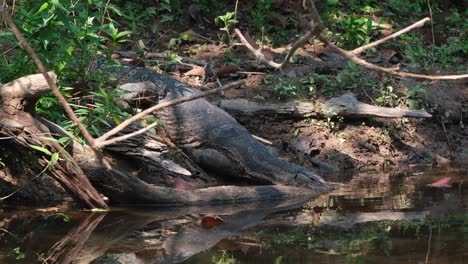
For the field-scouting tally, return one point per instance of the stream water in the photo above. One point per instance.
(412, 217)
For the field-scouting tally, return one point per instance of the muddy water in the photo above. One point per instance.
(408, 217)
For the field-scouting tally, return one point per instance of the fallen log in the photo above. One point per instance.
(247, 107)
(345, 105)
(123, 188)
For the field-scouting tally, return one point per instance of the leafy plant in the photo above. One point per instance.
(447, 55)
(354, 31)
(231, 58)
(17, 253)
(115, 36)
(228, 21)
(414, 96)
(98, 115)
(224, 258)
(285, 89)
(387, 97)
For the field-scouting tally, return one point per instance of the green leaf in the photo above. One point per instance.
(41, 149)
(43, 7)
(63, 140)
(58, 4)
(54, 159)
(296, 132)
(412, 103)
(49, 139)
(123, 33)
(111, 30)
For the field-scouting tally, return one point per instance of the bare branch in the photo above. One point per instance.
(316, 28)
(127, 136)
(24, 43)
(257, 52)
(261, 57)
(418, 24)
(352, 57)
(102, 140)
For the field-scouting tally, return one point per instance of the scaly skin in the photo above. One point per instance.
(222, 143)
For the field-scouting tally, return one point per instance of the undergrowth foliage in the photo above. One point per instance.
(68, 37)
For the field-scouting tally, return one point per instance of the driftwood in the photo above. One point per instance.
(348, 106)
(250, 108)
(345, 105)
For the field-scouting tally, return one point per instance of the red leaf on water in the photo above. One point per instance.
(442, 183)
(210, 221)
(182, 185)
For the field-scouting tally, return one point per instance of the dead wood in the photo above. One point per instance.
(348, 106)
(349, 220)
(20, 96)
(123, 188)
(345, 105)
(250, 108)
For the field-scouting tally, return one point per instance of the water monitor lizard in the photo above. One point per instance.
(213, 138)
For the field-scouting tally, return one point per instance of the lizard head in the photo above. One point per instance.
(308, 179)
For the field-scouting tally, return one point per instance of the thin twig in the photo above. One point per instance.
(257, 52)
(24, 43)
(264, 141)
(418, 24)
(127, 136)
(432, 22)
(429, 244)
(448, 139)
(127, 122)
(352, 57)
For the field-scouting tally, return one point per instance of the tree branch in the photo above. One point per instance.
(257, 52)
(316, 28)
(352, 57)
(418, 24)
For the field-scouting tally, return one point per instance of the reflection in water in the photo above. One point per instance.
(385, 218)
